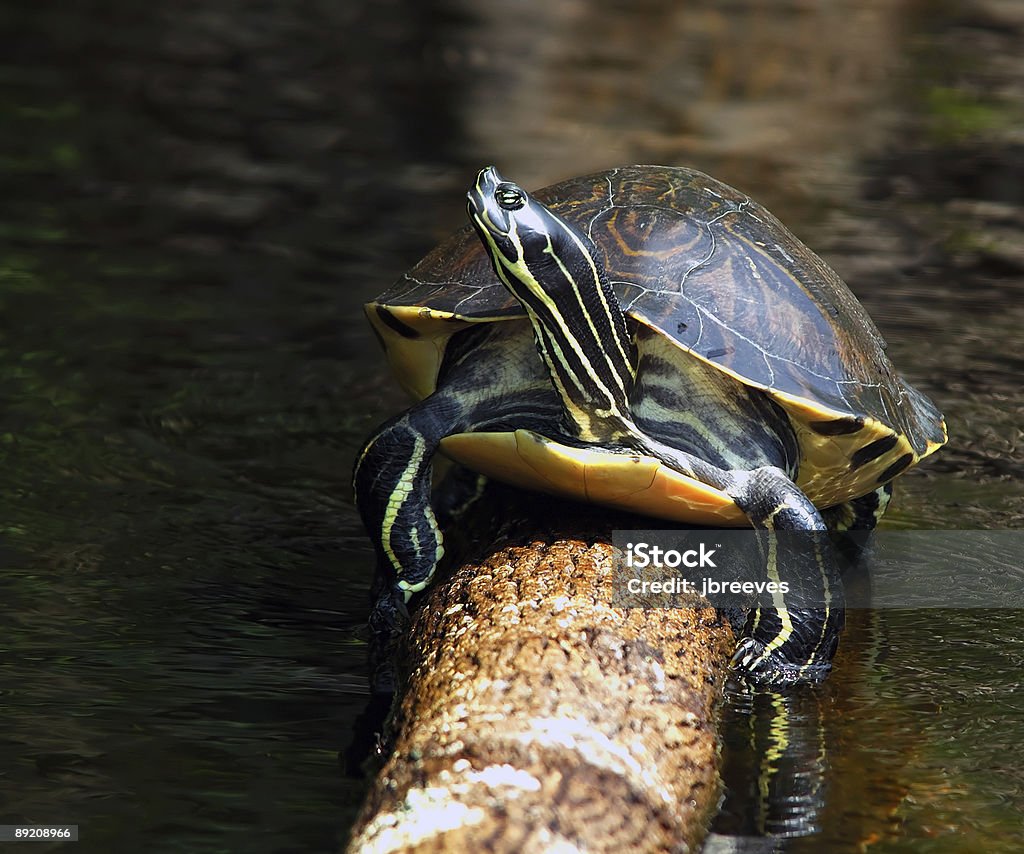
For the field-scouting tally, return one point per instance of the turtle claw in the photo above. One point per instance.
(771, 670)
(748, 656)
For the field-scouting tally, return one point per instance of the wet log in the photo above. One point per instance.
(536, 716)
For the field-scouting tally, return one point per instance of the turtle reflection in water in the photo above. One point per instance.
(649, 339)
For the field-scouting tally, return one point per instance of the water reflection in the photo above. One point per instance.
(197, 199)
(774, 766)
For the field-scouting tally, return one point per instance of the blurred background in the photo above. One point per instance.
(197, 199)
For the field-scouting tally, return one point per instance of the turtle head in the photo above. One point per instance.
(535, 252)
(556, 273)
(512, 225)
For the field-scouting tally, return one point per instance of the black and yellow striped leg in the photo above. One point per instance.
(392, 482)
(860, 514)
(789, 637)
(491, 379)
(852, 525)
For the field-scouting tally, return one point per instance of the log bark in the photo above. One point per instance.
(536, 716)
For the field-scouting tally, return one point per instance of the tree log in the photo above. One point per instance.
(537, 717)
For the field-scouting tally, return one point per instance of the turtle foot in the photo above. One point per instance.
(388, 621)
(773, 670)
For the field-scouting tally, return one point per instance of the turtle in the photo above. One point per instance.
(650, 339)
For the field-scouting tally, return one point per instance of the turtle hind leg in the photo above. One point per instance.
(853, 523)
(859, 514)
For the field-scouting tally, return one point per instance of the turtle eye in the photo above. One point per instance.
(509, 197)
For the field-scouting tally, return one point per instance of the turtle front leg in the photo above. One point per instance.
(491, 380)
(789, 638)
(392, 482)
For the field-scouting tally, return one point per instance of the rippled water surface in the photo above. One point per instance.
(198, 197)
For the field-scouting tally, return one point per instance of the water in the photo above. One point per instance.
(197, 199)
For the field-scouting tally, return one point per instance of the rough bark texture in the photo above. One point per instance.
(537, 717)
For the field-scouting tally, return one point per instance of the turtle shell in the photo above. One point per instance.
(717, 274)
